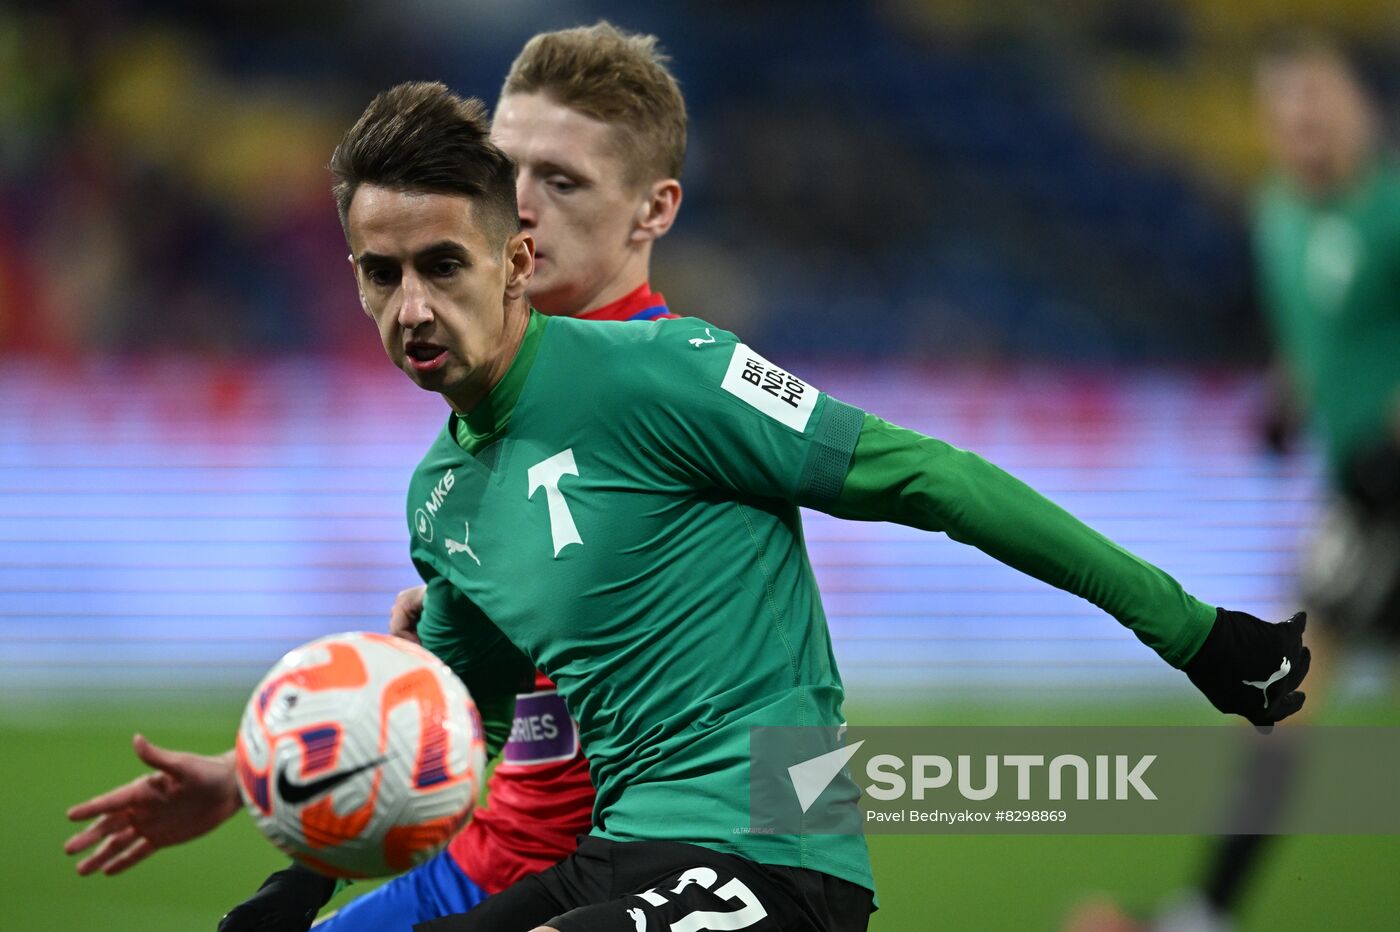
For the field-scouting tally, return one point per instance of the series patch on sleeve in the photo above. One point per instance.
(542, 732)
(777, 393)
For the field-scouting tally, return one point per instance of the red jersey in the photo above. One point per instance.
(639, 304)
(540, 798)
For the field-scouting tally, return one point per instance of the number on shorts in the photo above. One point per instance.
(750, 910)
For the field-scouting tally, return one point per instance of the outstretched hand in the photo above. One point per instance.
(1252, 668)
(183, 797)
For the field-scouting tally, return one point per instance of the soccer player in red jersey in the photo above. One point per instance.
(597, 184)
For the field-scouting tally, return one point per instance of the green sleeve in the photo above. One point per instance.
(719, 415)
(494, 669)
(902, 476)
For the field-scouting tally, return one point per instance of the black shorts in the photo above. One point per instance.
(663, 886)
(1351, 572)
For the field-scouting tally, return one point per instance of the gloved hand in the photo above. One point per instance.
(1252, 668)
(286, 902)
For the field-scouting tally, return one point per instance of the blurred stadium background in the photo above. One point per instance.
(1017, 226)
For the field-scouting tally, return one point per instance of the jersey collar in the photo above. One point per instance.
(488, 419)
(639, 304)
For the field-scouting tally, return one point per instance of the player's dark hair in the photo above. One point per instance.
(616, 77)
(420, 136)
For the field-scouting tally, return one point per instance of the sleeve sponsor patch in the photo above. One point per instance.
(542, 732)
(777, 393)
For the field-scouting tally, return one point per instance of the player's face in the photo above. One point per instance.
(1318, 121)
(445, 298)
(574, 201)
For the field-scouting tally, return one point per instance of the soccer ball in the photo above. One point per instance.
(360, 755)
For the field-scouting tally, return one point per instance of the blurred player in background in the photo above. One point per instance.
(1327, 247)
(1327, 233)
(596, 125)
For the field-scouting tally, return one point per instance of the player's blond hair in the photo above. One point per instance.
(616, 77)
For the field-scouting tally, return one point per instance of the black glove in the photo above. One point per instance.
(286, 902)
(1252, 668)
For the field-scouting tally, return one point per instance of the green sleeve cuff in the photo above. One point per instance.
(1192, 634)
(829, 460)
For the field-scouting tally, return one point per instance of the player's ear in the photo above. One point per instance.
(359, 289)
(520, 263)
(658, 211)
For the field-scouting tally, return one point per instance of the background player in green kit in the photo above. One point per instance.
(617, 504)
(1327, 242)
(1327, 249)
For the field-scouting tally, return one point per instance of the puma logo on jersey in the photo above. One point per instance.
(453, 547)
(1263, 685)
(697, 342)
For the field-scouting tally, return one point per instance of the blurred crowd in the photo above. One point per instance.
(931, 179)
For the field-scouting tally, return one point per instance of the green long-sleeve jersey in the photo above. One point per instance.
(1329, 273)
(622, 513)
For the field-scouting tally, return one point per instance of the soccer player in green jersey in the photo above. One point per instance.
(617, 505)
(1327, 240)
(1327, 248)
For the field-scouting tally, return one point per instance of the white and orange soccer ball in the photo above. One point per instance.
(360, 755)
